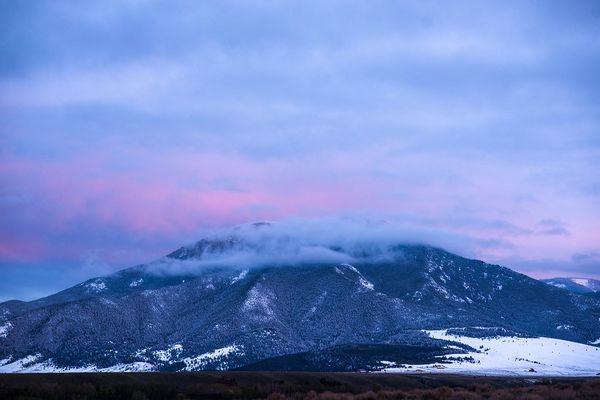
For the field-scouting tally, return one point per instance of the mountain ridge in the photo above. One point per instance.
(190, 311)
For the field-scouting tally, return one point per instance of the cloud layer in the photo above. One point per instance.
(305, 241)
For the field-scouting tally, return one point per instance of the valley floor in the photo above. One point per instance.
(289, 385)
(489, 356)
(517, 356)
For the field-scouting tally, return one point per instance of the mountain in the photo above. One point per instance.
(264, 300)
(577, 285)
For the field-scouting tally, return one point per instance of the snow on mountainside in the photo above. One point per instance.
(267, 300)
(577, 285)
(32, 364)
(512, 356)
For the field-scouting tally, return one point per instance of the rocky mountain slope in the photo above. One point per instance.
(215, 305)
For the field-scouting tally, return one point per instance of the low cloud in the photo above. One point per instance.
(552, 227)
(305, 241)
(586, 257)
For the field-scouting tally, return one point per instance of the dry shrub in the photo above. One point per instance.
(276, 396)
(335, 396)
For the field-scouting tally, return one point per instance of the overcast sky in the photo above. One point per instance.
(128, 127)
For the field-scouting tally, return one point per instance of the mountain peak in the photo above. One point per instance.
(231, 315)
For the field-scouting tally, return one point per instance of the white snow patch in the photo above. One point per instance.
(31, 364)
(258, 300)
(4, 329)
(440, 289)
(241, 276)
(136, 282)
(133, 367)
(564, 327)
(582, 282)
(96, 286)
(350, 267)
(597, 341)
(20, 365)
(168, 354)
(515, 356)
(217, 355)
(365, 283)
(557, 284)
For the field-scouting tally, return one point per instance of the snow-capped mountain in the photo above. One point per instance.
(268, 301)
(577, 285)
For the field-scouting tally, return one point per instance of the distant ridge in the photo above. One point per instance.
(576, 285)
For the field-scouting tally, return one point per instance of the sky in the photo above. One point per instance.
(127, 128)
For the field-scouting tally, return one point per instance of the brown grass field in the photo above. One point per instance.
(289, 385)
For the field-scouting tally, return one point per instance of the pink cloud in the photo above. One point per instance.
(158, 200)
